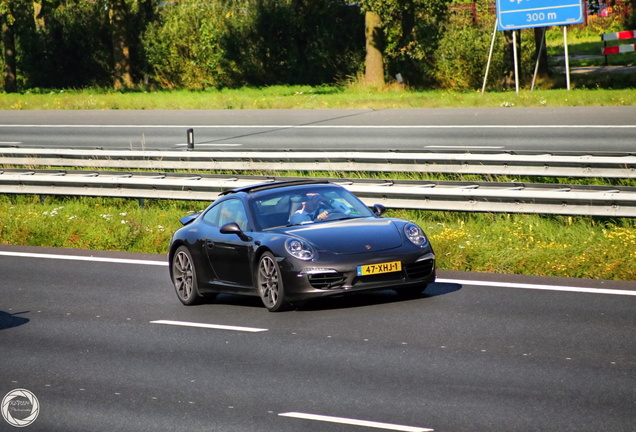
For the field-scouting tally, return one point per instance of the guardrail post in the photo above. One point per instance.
(190, 139)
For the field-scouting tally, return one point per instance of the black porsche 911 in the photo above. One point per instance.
(296, 240)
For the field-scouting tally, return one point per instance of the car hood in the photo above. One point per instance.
(351, 235)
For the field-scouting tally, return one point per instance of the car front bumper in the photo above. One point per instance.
(305, 280)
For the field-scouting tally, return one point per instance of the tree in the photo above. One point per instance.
(117, 11)
(18, 25)
(128, 19)
(8, 20)
(8, 41)
(374, 60)
(406, 33)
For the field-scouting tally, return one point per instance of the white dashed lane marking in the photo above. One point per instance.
(209, 326)
(354, 422)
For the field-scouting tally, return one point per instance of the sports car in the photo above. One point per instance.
(292, 241)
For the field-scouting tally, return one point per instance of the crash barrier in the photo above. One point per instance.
(618, 49)
(510, 197)
(566, 164)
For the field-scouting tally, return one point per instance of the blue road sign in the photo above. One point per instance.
(519, 14)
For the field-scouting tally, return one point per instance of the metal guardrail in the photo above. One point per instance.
(428, 195)
(528, 164)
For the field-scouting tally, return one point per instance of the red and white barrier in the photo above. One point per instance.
(629, 34)
(618, 49)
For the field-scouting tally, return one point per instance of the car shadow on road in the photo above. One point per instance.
(372, 298)
(344, 301)
(234, 300)
(8, 320)
(438, 288)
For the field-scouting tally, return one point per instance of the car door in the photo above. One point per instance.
(228, 255)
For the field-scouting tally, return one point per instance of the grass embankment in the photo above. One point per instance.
(502, 243)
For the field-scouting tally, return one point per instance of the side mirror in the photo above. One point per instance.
(379, 209)
(233, 228)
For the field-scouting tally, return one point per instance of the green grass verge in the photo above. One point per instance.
(591, 93)
(565, 246)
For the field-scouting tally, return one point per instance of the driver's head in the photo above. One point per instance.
(312, 202)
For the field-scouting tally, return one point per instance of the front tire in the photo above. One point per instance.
(270, 284)
(184, 277)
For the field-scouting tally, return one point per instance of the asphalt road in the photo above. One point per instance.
(489, 353)
(583, 129)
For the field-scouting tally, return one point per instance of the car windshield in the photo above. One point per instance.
(300, 205)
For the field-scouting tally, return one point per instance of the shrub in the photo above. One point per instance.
(462, 56)
(198, 45)
(183, 46)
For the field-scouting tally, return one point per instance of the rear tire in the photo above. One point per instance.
(270, 284)
(184, 277)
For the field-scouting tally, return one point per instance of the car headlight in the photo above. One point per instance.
(415, 234)
(299, 249)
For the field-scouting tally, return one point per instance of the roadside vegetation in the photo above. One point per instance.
(306, 97)
(194, 45)
(600, 88)
(583, 247)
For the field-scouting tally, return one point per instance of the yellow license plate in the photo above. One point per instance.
(372, 269)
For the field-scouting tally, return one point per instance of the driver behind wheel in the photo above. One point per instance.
(307, 213)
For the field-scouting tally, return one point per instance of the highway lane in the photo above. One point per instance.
(477, 353)
(582, 129)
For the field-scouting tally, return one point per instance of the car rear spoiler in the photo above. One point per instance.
(189, 218)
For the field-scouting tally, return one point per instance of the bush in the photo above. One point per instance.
(183, 45)
(462, 55)
(73, 48)
(198, 45)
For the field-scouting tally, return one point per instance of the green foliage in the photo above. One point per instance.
(412, 30)
(184, 45)
(89, 223)
(67, 43)
(563, 246)
(463, 54)
(71, 49)
(16, 15)
(198, 45)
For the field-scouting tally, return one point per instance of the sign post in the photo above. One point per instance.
(520, 14)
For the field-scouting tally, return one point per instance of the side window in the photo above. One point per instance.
(212, 215)
(228, 211)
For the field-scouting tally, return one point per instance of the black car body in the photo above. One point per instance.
(244, 243)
